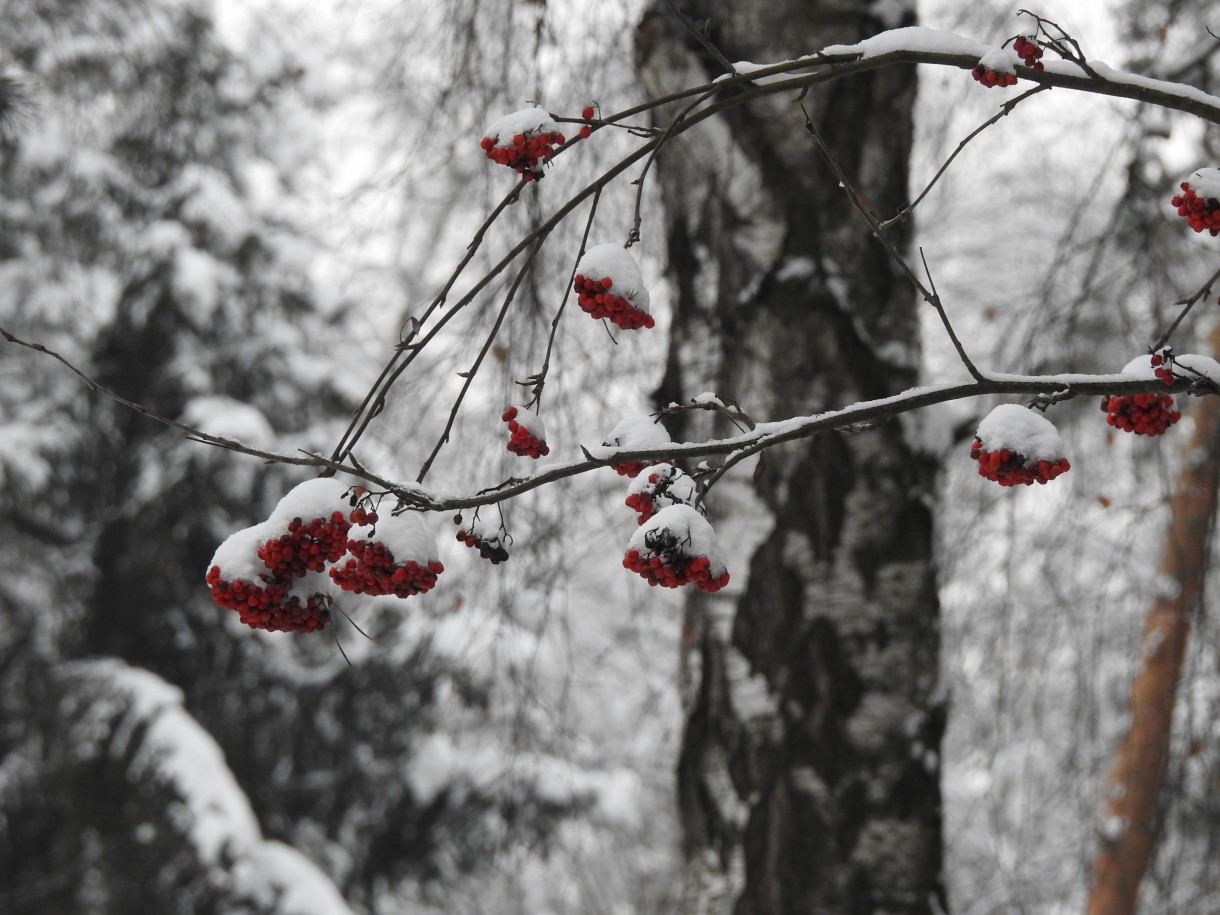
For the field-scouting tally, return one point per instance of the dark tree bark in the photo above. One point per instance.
(809, 773)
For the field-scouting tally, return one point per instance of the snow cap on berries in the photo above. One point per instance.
(1206, 183)
(526, 122)
(237, 557)
(660, 486)
(1012, 427)
(999, 60)
(312, 499)
(527, 432)
(1191, 365)
(677, 546)
(635, 432)
(609, 284)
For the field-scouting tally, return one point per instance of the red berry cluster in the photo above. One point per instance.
(525, 152)
(991, 78)
(1143, 414)
(372, 570)
(664, 485)
(596, 299)
(521, 440)
(1008, 468)
(586, 130)
(307, 547)
(674, 569)
(489, 548)
(265, 605)
(1030, 54)
(1162, 366)
(641, 502)
(1199, 212)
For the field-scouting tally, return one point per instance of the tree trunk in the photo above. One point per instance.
(809, 772)
(1128, 828)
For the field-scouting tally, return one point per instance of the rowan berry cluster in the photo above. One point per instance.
(490, 548)
(1029, 52)
(1201, 212)
(598, 299)
(525, 153)
(372, 570)
(991, 78)
(629, 468)
(664, 485)
(269, 573)
(1009, 468)
(1162, 366)
(527, 434)
(1143, 414)
(677, 547)
(585, 129)
(308, 546)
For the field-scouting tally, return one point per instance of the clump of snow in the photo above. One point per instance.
(1001, 60)
(407, 536)
(1194, 365)
(527, 121)
(237, 557)
(637, 432)
(1206, 183)
(1140, 367)
(665, 482)
(1012, 427)
(530, 422)
(615, 262)
(311, 499)
(683, 526)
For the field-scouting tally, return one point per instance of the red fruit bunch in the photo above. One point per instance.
(586, 130)
(1199, 202)
(307, 546)
(524, 141)
(372, 569)
(1016, 446)
(1162, 365)
(527, 433)
(490, 548)
(1029, 52)
(609, 285)
(1143, 414)
(677, 547)
(995, 68)
(664, 485)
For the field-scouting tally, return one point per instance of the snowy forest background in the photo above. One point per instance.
(226, 211)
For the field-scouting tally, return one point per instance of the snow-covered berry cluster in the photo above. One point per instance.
(1014, 445)
(676, 547)
(635, 432)
(663, 485)
(524, 141)
(1199, 202)
(490, 548)
(277, 575)
(995, 68)
(1162, 365)
(377, 564)
(527, 433)
(609, 285)
(1029, 52)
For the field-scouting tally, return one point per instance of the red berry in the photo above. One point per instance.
(586, 112)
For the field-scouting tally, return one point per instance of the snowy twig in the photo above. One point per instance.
(1187, 304)
(470, 374)
(1006, 109)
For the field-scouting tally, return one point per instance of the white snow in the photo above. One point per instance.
(526, 121)
(312, 499)
(1190, 363)
(1002, 60)
(637, 432)
(530, 422)
(1205, 182)
(1013, 427)
(615, 262)
(677, 485)
(238, 555)
(692, 531)
(407, 536)
(1141, 367)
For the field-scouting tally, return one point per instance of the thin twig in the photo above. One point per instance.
(700, 37)
(929, 294)
(538, 380)
(1006, 109)
(1188, 304)
(474, 369)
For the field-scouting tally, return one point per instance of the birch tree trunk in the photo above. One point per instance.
(809, 773)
